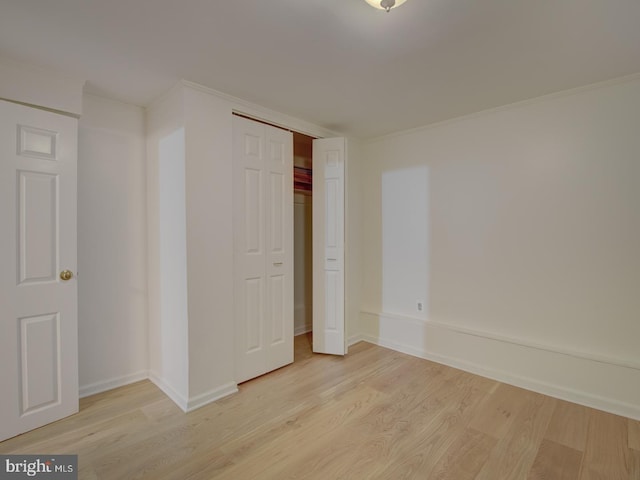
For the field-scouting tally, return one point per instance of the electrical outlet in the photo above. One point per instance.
(419, 305)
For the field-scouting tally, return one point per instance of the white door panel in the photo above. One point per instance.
(263, 232)
(38, 310)
(328, 246)
(254, 218)
(277, 286)
(253, 315)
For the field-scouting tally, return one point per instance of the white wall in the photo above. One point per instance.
(519, 228)
(112, 309)
(209, 246)
(354, 239)
(167, 296)
(174, 318)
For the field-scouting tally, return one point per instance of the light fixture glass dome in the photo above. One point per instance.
(385, 4)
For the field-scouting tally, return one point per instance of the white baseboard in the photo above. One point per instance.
(592, 380)
(301, 323)
(99, 387)
(169, 391)
(211, 396)
(189, 405)
(302, 329)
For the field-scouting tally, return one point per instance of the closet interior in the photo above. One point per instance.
(302, 233)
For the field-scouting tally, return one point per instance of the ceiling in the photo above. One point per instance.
(338, 63)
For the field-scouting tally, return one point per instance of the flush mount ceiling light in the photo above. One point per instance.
(385, 4)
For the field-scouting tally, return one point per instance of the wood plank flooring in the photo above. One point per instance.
(375, 414)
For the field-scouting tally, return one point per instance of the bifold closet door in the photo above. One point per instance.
(263, 238)
(329, 157)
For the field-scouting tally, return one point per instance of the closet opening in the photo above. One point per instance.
(303, 243)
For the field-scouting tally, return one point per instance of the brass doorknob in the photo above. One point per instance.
(66, 275)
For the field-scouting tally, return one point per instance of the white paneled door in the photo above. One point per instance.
(263, 236)
(38, 290)
(328, 246)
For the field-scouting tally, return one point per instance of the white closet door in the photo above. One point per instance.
(328, 246)
(38, 289)
(263, 233)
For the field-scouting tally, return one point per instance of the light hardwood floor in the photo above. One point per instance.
(375, 414)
